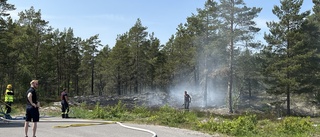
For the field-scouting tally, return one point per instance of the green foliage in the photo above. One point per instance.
(98, 112)
(266, 127)
(117, 112)
(296, 125)
(141, 111)
(232, 125)
(242, 126)
(246, 125)
(169, 116)
(172, 117)
(292, 54)
(250, 126)
(211, 125)
(80, 111)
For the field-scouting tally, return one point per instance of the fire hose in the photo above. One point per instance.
(140, 129)
(83, 123)
(93, 122)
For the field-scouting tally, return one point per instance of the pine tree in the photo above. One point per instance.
(237, 26)
(286, 49)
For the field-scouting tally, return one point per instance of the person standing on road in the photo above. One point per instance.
(32, 108)
(187, 100)
(8, 99)
(64, 104)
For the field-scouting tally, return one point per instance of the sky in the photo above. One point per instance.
(109, 18)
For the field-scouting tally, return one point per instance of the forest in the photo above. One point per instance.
(214, 51)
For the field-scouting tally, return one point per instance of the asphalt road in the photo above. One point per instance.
(58, 127)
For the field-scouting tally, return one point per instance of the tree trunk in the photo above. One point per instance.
(230, 82)
(288, 100)
(92, 78)
(250, 92)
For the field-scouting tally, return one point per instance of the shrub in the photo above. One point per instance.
(172, 117)
(98, 112)
(81, 111)
(169, 116)
(116, 111)
(295, 125)
(141, 111)
(210, 126)
(242, 126)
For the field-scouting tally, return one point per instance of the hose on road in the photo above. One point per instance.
(140, 129)
(93, 122)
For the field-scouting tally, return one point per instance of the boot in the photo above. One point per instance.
(7, 116)
(66, 116)
(63, 115)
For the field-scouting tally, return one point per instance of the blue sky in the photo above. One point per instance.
(109, 18)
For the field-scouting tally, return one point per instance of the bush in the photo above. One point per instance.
(141, 111)
(169, 116)
(81, 111)
(117, 111)
(296, 125)
(97, 112)
(242, 126)
(172, 117)
(210, 126)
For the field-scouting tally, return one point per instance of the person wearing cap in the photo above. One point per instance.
(8, 98)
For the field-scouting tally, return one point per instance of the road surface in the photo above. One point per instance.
(58, 127)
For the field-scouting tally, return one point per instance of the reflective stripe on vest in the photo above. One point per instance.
(8, 98)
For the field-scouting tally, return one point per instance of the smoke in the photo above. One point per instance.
(215, 98)
(175, 96)
(212, 94)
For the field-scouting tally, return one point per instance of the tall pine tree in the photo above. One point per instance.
(237, 26)
(287, 49)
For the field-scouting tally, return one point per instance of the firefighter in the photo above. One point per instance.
(8, 98)
(187, 100)
(64, 104)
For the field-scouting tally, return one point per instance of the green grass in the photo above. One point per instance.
(245, 125)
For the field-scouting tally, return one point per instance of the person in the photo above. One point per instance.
(8, 99)
(187, 100)
(32, 108)
(64, 104)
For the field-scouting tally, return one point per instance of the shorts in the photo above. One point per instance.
(32, 113)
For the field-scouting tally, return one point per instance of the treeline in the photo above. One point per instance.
(214, 49)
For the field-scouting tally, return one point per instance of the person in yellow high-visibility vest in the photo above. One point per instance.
(8, 98)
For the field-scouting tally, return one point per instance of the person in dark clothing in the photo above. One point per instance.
(32, 109)
(187, 100)
(64, 104)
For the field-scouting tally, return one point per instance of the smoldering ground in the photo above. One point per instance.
(175, 97)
